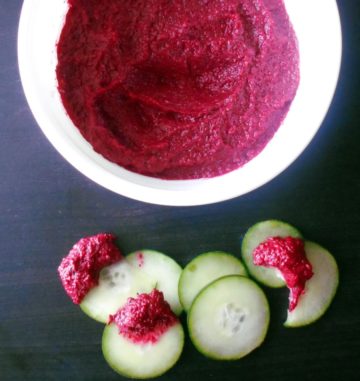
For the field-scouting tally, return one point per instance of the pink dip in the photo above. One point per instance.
(79, 270)
(144, 319)
(288, 256)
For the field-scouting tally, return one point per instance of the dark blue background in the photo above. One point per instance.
(46, 205)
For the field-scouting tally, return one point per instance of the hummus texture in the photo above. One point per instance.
(79, 271)
(177, 89)
(144, 319)
(289, 257)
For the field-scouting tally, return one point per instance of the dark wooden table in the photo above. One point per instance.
(46, 205)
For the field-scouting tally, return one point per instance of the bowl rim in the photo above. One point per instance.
(148, 189)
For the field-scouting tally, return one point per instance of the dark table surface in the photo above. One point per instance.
(46, 205)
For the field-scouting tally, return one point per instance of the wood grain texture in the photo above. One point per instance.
(45, 206)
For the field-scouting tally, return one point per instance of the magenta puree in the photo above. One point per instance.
(177, 89)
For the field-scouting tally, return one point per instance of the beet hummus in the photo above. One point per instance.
(144, 319)
(79, 271)
(288, 256)
(177, 89)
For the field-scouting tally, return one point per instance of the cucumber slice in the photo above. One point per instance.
(319, 290)
(229, 318)
(203, 270)
(257, 234)
(164, 270)
(117, 283)
(142, 361)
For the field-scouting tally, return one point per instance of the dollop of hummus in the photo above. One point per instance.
(79, 271)
(289, 257)
(144, 319)
(177, 89)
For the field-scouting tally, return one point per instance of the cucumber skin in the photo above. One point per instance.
(263, 334)
(181, 280)
(296, 234)
(155, 375)
(326, 306)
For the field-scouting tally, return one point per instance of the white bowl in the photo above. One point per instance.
(318, 30)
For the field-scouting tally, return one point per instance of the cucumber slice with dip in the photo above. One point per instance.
(163, 270)
(142, 360)
(320, 289)
(117, 283)
(144, 338)
(257, 234)
(229, 318)
(204, 269)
